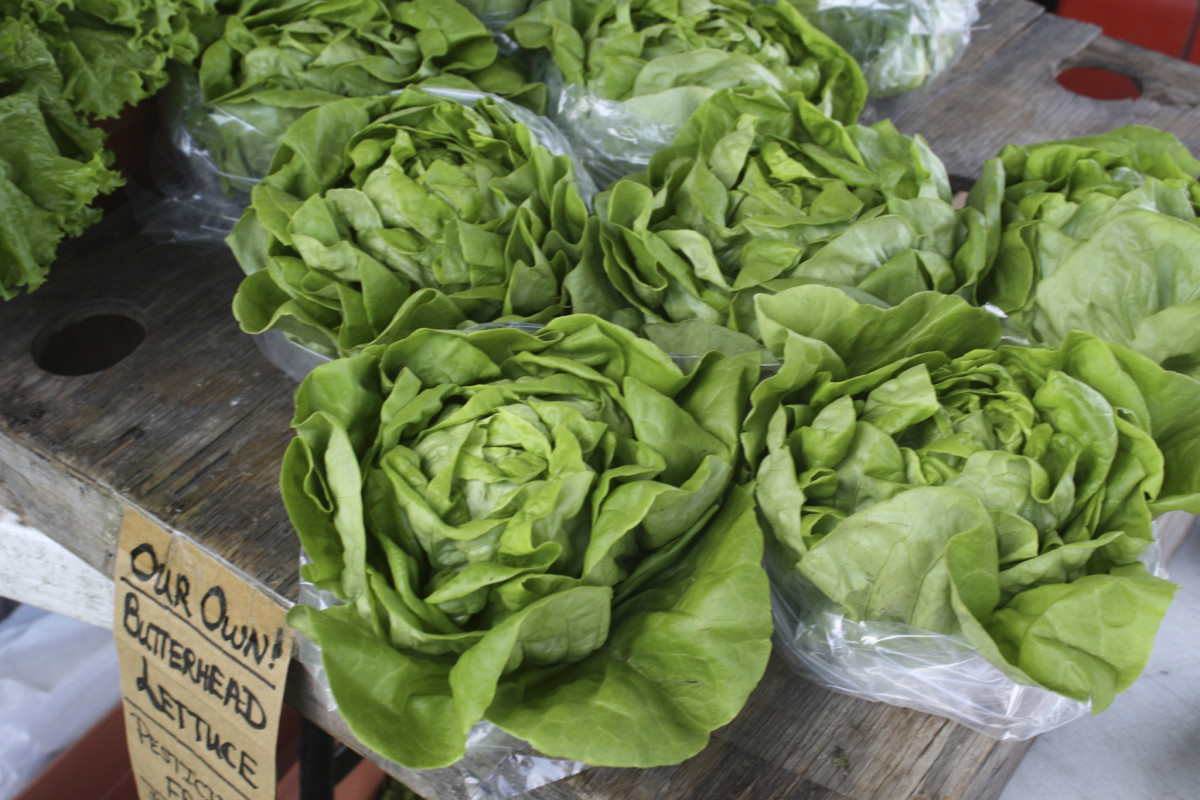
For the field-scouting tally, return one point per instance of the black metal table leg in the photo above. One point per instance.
(316, 763)
(324, 762)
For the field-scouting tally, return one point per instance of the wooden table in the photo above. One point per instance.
(190, 427)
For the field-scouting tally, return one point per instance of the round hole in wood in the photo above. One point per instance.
(90, 339)
(1099, 83)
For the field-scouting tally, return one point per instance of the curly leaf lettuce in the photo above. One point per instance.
(1003, 495)
(1097, 234)
(538, 530)
(276, 61)
(760, 192)
(52, 163)
(113, 54)
(387, 214)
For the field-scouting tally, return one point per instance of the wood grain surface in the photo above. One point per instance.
(190, 428)
(1003, 90)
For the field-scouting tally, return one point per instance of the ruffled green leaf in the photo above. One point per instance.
(385, 215)
(912, 472)
(535, 529)
(761, 192)
(52, 162)
(276, 61)
(1097, 234)
(664, 58)
(113, 54)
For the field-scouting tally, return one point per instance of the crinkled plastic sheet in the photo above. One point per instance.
(610, 138)
(58, 676)
(198, 200)
(194, 200)
(496, 765)
(495, 14)
(901, 45)
(913, 668)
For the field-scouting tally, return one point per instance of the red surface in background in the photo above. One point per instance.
(1166, 26)
(97, 767)
(1161, 25)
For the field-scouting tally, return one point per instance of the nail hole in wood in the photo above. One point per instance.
(90, 339)
(1099, 83)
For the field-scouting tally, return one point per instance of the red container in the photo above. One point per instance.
(1162, 25)
(1166, 26)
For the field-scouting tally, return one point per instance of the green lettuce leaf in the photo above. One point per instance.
(901, 45)
(539, 530)
(912, 472)
(1097, 234)
(52, 163)
(275, 61)
(628, 74)
(113, 54)
(383, 215)
(760, 192)
(1087, 637)
(634, 49)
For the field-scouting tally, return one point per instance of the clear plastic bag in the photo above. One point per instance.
(197, 200)
(909, 667)
(193, 199)
(608, 136)
(495, 14)
(901, 45)
(624, 78)
(58, 676)
(496, 765)
(913, 668)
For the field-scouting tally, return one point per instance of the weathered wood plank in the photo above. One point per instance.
(190, 426)
(50, 497)
(1162, 80)
(1005, 91)
(38, 571)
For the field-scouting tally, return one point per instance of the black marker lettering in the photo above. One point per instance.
(144, 564)
(248, 765)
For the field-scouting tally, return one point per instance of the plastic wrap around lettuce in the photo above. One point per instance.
(276, 60)
(384, 215)
(1098, 234)
(495, 14)
(627, 74)
(759, 193)
(113, 53)
(1001, 495)
(539, 530)
(52, 163)
(901, 45)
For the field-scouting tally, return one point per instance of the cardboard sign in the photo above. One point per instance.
(203, 659)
